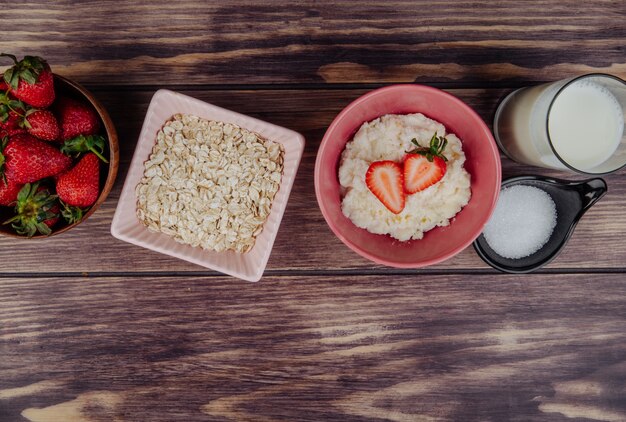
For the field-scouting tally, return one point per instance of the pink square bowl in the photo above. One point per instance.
(125, 226)
(482, 162)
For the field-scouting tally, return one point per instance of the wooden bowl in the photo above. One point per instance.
(68, 88)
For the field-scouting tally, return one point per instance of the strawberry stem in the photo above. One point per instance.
(7, 103)
(15, 111)
(11, 56)
(437, 145)
(99, 155)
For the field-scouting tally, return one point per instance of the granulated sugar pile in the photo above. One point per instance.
(522, 222)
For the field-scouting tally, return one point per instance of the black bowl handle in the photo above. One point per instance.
(590, 191)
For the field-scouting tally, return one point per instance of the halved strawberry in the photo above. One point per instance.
(419, 173)
(384, 179)
(423, 167)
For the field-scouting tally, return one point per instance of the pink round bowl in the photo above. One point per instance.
(482, 162)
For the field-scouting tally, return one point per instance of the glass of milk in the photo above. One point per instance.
(576, 124)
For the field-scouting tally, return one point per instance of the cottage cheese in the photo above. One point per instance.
(388, 138)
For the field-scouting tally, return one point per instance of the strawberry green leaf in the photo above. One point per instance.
(13, 104)
(82, 143)
(34, 206)
(71, 214)
(28, 76)
(48, 215)
(15, 79)
(437, 145)
(8, 75)
(28, 69)
(42, 228)
(25, 192)
(33, 62)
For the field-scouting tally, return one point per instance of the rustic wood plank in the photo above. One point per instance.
(481, 347)
(304, 240)
(268, 42)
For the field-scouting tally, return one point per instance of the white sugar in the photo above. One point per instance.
(522, 222)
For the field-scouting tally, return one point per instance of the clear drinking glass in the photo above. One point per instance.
(575, 123)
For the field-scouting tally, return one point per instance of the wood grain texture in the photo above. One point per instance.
(267, 42)
(402, 348)
(326, 335)
(304, 241)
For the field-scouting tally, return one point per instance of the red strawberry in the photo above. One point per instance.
(384, 179)
(30, 80)
(8, 191)
(423, 167)
(51, 221)
(36, 211)
(419, 173)
(28, 159)
(42, 124)
(3, 85)
(10, 124)
(79, 186)
(76, 118)
(11, 114)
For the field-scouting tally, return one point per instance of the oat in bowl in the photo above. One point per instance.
(207, 185)
(482, 163)
(403, 175)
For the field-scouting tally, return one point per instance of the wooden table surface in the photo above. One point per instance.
(95, 329)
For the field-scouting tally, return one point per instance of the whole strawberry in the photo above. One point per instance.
(11, 115)
(76, 118)
(8, 191)
(28, 159)
(10, 124)
(79, 186)
(30, 80)
(42, 124)
(36, 211)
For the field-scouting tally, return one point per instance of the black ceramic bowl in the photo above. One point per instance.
(572, 200)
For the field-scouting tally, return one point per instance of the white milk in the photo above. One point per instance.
(519, 126)
(583, 121)
(585, 124)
